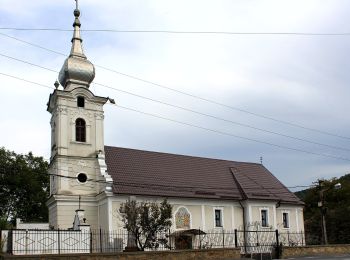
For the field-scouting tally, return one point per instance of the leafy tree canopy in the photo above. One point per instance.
(337, 205)
(146, 220)
(24, 187)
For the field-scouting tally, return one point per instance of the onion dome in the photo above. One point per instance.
(77, 69)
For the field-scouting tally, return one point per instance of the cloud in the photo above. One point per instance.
(301, 79)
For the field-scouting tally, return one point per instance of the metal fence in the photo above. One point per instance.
(29, 242)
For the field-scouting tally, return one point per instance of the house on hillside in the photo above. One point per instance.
(205, 193)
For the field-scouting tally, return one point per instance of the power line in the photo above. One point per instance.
(25, 80)
(232, 135)
(191, 110)
(144, 180)
(259, 184)
(227, 106)
(160, 186)
(192, 95)
(180, 32)
(27, 62)
(32, 44)
(142, 184)
(185, 184)
(209, 129)
(226, 120)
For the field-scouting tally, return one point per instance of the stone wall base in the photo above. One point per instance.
(288, 252)
(205, 254)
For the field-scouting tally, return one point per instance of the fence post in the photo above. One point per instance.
(200, 239)
(278, 250)
(288, 238)
(26, 250)
(277, 237)
(10, 241)
(100, 240)
(58, 241)
(223, 238)
(236, 238)
(90, 241)
(169, 239)
(302, 239)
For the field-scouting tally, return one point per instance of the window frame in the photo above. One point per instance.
(80, 130)
(81, 101)
(287, 220)
(221, 210)
(264, 222)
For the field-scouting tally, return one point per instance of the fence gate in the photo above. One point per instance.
(33, 242)
(258, 242)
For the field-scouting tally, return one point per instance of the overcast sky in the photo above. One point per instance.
(300, 79)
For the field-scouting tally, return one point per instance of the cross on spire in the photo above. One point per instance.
(76, 4)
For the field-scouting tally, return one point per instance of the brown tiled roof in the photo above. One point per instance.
(137, 172)
(257, 182)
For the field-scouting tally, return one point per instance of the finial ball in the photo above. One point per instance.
(76, 13)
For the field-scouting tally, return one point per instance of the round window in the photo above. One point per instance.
(82, 177)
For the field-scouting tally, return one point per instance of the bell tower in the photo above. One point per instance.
(77, 166)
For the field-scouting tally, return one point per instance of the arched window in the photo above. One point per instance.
(80, 130)
(183, 218)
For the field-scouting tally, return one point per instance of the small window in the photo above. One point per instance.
(81, 102)
(80, 130)
(218, 218)
(264, 218)
(285, 217)
(82, 178)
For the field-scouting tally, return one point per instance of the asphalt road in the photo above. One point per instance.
(340, 257)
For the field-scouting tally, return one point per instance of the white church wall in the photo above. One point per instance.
(53, 215)
(255, 209)
(209, 218)
(238, 217)
(275, 216)
(62, 210)
(201, 211)
(300, 218)
(228, 217)
(103, 215)
(117, 223)
(292, 221)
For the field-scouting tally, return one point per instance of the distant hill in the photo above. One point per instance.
(337, 203)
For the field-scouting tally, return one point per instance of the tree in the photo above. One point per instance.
(24, 187)
(145, 221)
(337, 206)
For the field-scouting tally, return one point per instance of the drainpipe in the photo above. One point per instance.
(245, 197)
(244, 226)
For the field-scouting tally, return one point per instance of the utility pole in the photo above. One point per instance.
(323, 209)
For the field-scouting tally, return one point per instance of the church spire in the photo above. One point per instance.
(77, 49)
(77, 70)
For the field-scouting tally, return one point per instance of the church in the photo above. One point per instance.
(205, 193)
